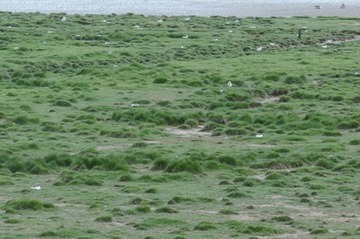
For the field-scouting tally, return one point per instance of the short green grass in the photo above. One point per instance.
(189, 127)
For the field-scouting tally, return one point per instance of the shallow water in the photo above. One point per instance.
(240, 8)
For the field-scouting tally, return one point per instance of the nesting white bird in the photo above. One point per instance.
(229, 84)
(160, 21)
(185, 37)
(187, 19)
(63, 19)
(259, 135)
(259, 48)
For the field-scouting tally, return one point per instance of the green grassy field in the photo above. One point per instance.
(179, 127)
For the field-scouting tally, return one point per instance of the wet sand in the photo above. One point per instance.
(239, 8)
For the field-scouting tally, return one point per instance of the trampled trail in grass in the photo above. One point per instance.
(132, 126)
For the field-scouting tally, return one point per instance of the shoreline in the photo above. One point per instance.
(187, 8)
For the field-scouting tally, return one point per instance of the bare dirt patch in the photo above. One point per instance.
(195, 132)
(267, 100)
(337, 42)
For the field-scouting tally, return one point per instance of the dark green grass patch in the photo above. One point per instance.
(205, 226)
(158, 222)
(27, 204)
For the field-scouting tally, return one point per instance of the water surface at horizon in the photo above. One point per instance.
(239, 8)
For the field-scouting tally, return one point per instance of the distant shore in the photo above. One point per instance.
(239, 8)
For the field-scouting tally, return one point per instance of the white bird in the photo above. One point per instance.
(63, 19)
(259, 48)
(259, 136)
(36, 187)
(185, 37)
(160, 21)
(229, 83)
(187, 19)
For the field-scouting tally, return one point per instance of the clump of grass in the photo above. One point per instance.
(137, 201)
(183, 165)
(205, 226)
(354, 142)
(52, 127)
(126, 178)
(179, 199)
(27, 204)
(62, 103)
(110, 163)
(325, 163)
(131, 189)
(160, 80)
(260, 230)
(23, 120)
(75, 178)
(143, 209)
(62, 160)
(317, 231)
(158, 222)
(5, 180)
(285, 219)
(227, 212)
(227, 159)
(295, 79)
(12, 221)
(48, 234)
(237, 194)
(151, 190)
(166, 210)
(160, 164)
(107, 218)
(274, 176)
